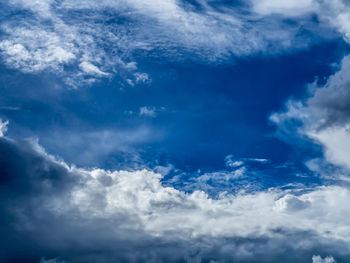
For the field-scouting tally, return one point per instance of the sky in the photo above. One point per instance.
(174, 131)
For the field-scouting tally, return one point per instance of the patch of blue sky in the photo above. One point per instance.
(202, 113)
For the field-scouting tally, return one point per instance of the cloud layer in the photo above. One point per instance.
(81, 215)
(93, 40)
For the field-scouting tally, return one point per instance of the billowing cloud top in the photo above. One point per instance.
(96, 215)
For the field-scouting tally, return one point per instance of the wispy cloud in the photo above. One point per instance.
(86, 41)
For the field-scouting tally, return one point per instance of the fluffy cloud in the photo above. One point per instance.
(79, 215)
(324, 116)
(319, 259)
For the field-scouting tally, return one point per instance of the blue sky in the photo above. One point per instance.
(169, 127)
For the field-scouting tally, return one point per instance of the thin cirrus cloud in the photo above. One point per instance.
(97, 215)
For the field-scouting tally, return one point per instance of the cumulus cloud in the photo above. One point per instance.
(80, 215)
(324, 117)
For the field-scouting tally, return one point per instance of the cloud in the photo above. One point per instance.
(288, 7)
(91, 69)
(319, 259)
(34, 50)
(324, 116)
(87, 41)
(235, 162)
(335, 14)
(3, 127)
(148, 111)
(91, 148)
(84, 42)
(96, 215)
(46, 38)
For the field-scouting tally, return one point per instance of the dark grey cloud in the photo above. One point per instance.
(324, 117)
(50, 211)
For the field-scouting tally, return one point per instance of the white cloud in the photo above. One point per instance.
(164, 209)
(91, 69)
(51, 39)
(287, 7)
(65, 38)
(103, 210)
(72, 47)
(335, 13)
(319, 259)
(105, 194)
(236, 162)
(34, 49)
(3, 127)
(148, 111)
(141, 77)
(336, 141)
(325, 116)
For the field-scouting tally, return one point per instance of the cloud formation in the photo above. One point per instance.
(3, 127)
(86, 41)
(319, 259)
(324, 116)
(78, 215)
(52, 212)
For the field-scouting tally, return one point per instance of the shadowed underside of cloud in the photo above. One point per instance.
(51, 210)
(324, 117)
